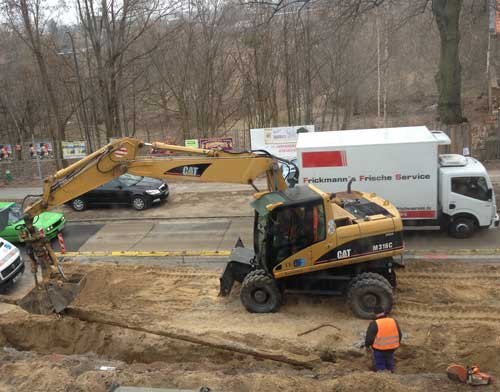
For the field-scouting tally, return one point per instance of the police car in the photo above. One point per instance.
(11, 263)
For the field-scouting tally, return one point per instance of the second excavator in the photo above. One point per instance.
(305, 240)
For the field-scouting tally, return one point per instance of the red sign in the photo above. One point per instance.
(324, 159)
(223, 143)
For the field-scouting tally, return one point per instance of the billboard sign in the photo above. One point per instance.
(217, 143)
(193, 143)
(6, 152)
(279, 141)
(74, 150)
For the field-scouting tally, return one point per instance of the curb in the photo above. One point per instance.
(192, 253)
(68, 221)
(421, 253)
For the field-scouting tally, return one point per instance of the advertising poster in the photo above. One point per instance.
(193, 143)
(74, 150)
(43, 150)
(217, 143)
(6, 152)
(278, 141)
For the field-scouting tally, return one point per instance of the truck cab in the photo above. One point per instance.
(466, 195)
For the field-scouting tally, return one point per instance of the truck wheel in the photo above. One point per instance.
(462, 227)
(367, 293)
(79, 204)
(368, 275)
(259, 293)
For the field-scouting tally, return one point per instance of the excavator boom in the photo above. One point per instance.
(56, 290)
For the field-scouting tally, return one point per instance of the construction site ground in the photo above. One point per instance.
(166, 327)
(153, 322)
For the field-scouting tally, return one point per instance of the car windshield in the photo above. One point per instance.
(15, 213)
(130, 180)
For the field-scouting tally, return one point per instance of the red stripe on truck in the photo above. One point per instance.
(324, 159)
(417, 214)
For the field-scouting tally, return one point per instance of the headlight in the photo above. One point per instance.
(153, 192)
(50, 228)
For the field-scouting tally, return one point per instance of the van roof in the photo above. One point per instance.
(361, 137)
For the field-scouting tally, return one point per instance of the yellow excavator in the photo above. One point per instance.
(305, 240)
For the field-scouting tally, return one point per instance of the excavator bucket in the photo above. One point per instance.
(54, 296)
(239, 265)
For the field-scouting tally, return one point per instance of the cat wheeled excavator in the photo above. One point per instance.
(305, 240)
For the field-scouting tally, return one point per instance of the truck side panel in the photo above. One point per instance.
(405, 173)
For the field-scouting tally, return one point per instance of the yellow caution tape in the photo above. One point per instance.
(193, 253)
(225, 253)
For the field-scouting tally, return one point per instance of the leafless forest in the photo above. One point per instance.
(164, 69)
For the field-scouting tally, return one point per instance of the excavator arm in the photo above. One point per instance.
(122, 156)
(56, 290)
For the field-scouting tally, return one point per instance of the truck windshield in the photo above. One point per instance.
(295, 228)
(474, 187)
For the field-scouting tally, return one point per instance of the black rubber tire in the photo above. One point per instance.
(367, 293)
(139, 203)
(462, 227)
(368, 275)
(255, 273)
(255, 283)
(79, 204)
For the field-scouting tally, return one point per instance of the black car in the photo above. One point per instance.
(135, 191)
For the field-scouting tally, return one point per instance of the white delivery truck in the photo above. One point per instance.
(431, 191)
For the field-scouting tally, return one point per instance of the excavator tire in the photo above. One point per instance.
(368, 275)
(259, 293)
(367, 293)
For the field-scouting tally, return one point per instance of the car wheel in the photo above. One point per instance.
(79, 204)
(139, 203)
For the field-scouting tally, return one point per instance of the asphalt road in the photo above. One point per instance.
(220, 234)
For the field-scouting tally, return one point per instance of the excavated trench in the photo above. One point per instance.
(145, 316)
(68, 336)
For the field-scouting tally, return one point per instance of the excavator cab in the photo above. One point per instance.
(308, 241)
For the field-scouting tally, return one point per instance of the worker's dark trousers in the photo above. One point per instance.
(384, 360)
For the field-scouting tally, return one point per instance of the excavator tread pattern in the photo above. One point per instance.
(368, 275)
(259, 280)
(379, 288)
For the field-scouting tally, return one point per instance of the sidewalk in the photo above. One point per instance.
(8, 193)
(18, 193)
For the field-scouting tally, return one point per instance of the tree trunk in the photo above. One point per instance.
(449, 76)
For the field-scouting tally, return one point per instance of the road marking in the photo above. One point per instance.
(194, 253)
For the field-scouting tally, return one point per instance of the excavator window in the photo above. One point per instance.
(295, 228)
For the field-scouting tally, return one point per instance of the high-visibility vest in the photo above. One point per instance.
(387, 336)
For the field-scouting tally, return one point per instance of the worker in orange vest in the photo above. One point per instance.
(384, 337)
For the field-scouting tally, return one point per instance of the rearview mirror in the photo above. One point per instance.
(490, 194)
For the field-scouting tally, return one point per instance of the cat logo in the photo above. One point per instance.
(342, 254)
(190, 171)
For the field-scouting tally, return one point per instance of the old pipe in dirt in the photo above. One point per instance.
(307, 362)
